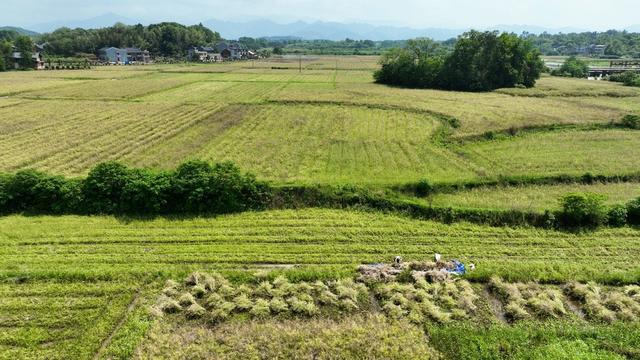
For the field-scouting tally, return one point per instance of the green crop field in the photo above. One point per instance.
(532, 197)
(67, 281)
(81, 287)
(257, 113)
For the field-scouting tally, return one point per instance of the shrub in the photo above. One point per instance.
(104, 187)
(113, 188)
(222, 188)
(583, 210)
(145, 192)
(631, 122)
(424, 188)
(34, 191)
(573, 67)
(618, 216)
(633, 212)
(628, 78)
(5, 195)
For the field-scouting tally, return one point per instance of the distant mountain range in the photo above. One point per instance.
(19, 30)
(309, 30)
(341, 31)
(325, 30)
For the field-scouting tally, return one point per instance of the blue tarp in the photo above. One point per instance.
(459, 268)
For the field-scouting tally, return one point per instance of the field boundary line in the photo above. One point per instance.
(106, 342)
(438, 115)
(514, 132)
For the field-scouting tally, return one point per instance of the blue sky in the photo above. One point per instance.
(414, 13)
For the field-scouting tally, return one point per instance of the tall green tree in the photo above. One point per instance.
(24, 45)
(484, 61)
(480, 61)
(5, 55)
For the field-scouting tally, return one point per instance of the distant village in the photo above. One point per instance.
(220, 52)
(223, 51)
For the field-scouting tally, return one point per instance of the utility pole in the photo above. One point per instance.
(300, 62)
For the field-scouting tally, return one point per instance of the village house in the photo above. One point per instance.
(234, 51)
(113, 55)
(591, 50)
(204, 54)
(36, 57)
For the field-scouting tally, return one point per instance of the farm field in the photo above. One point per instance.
(79, 287)
(532, 197)
(564, 152)
(87, 271)
(256, 112)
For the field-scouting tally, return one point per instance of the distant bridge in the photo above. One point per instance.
(615, 67)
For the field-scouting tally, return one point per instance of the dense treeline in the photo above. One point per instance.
(164, 39)
(22, 44)
(172, 39)
(195, 187)
(480, 61)
(198, 188)
(618, 43)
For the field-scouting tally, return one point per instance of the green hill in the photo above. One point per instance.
(19, 30)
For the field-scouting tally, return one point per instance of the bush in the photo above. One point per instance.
(146, 192)
(628, 78)
(573, 67)
(631, 122)
(633, 212)
(34, 191)
(583, 210)
(424, 188)
(618, 216)
(222, 188)
(5, 196)
(103, 189)
(113, 188)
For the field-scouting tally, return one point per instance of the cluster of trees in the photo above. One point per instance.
(279, 46)
(618, 43)
(588, 211)
(479, 61)
(164, 39)
(572, 67)
(19, 43)
(628, 78)
(195, 187)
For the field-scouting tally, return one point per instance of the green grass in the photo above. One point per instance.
(281, 143)
(532, 197)
(59, 319)
(563, 152)
(550, 340)
(55, 247)
(79, 273)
